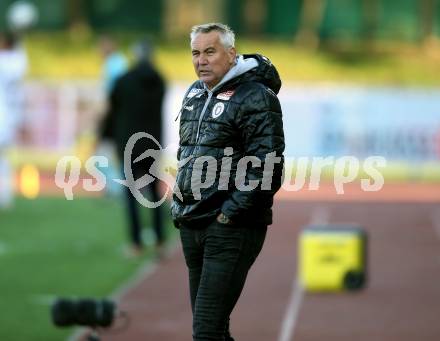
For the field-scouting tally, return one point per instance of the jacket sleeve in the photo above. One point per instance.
(261, 127)
(107, 125)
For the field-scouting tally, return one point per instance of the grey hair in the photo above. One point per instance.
(227, 36)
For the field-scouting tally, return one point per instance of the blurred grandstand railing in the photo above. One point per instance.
(402, 125)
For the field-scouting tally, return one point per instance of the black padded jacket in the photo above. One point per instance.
(239, 117)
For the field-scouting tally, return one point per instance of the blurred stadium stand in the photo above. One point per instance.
(332, 19)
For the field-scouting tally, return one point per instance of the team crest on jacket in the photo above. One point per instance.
(217, 110)
(225, 95)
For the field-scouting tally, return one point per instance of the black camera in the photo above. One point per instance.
(84, 312)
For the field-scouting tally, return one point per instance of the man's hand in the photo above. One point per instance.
(222, 219)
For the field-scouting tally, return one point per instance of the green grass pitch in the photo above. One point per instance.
(51, 247)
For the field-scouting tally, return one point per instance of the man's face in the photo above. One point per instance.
(210, 58)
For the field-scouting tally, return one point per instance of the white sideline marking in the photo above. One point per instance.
(435, 217)
(320, 215)
(3, 248)
(292, 312)
(436, 223)
(43, 299)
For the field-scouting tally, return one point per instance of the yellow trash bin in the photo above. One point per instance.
(332, 258)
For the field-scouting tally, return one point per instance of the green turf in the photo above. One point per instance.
(53, 247)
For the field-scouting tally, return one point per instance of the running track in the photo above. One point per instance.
(401, 302)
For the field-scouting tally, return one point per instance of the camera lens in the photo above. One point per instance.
(83, 312)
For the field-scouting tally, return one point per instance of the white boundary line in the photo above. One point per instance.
(320, 215)
(3, 248)
(435, 217)
(292, 312)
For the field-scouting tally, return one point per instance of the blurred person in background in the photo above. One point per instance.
(13, 68)
(233, 106)
(136, 106)
(115, 64)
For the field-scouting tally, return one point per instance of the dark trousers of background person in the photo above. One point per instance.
(218, 258)
(151, 192)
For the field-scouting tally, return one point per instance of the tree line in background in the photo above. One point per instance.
(313, 12)
(309, 22)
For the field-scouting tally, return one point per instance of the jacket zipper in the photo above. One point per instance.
(203, 114)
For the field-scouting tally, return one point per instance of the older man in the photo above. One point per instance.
(230, 166)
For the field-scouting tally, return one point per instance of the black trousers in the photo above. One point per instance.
(218, 258)
(151, 191)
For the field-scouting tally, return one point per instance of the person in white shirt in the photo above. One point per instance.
(13, 68)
